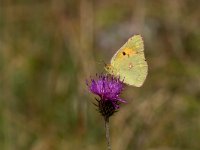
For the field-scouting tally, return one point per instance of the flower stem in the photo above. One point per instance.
(107, 133)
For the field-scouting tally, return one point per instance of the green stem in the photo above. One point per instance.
(107, 133)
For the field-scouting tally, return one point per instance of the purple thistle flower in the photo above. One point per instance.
(108, 88)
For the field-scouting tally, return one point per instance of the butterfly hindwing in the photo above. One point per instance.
(133, 70)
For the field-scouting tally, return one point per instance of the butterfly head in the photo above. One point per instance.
(108, 67)
(111, 70)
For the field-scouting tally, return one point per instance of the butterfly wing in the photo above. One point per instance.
(129, 62)
(134, 70)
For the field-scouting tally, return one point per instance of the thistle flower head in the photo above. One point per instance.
(108, 88)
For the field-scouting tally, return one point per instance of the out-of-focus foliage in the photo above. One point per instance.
(49, 48)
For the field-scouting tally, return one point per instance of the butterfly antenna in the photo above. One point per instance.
(102, 62)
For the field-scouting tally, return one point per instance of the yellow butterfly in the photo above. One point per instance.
(129, 62)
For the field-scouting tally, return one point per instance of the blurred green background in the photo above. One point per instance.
(48, 48)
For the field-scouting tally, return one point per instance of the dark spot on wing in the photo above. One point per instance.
(124, 53)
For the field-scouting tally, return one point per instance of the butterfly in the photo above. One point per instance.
(129, 62)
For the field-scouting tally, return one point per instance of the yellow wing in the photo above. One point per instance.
(129, 62)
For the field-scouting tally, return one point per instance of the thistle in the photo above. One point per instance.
(108, 88)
